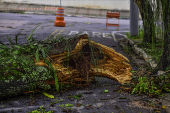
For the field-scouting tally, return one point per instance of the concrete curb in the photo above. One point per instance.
(165, 101)
(140, 52)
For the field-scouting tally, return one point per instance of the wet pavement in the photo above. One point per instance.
(92, 99)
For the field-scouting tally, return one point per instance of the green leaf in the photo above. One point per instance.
(17, 46)
(4, 47)
(166, 85)
(49, 96)
(15, 57)
(10, 40)
(56, 81)
(2, 50)
(15, 71)
(43, 53)
(133, 71)
(9, 61)
(106, 91)
(37, 55)
(61, 105)
(52, 69)
(68, 105)
(32, 45)
(29, 37)
(16, 52)
(2, 43)
(16, 39)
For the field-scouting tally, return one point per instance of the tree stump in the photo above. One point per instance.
(77, 61)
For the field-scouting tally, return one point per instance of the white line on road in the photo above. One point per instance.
(106, 35)
(51, 34)
(113, 35)
(94, 34)
(73, 32)
(58, 33)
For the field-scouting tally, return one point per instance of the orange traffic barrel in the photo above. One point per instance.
(60, 17)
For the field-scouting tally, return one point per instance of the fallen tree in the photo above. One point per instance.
(75, 61)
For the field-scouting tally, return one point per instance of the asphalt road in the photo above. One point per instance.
(93, 99)
(12, 24)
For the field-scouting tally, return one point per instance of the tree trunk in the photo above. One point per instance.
(165, 58)
(148, 21)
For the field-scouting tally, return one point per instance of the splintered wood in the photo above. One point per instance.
(83, 59)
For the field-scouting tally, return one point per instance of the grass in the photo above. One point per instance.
(76, 96)
(9, 27)
(51, 21)
(21, 12)
(16, 61)
(151, 86)
(155, 50)
(66, 107)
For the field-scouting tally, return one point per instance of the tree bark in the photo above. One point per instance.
(148, 21)
(165, 58)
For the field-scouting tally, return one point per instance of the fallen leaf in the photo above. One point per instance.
(78, 105)
(46, 94)
(163, 107)
(106, 91)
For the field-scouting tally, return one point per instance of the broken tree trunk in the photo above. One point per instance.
(78, 61)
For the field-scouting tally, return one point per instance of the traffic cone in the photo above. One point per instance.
(60, 18)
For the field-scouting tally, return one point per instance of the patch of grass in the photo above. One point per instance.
(4, 11)
(51, 21)
(76, 96)
(152, 86)
(41, 110)
(155, 50)
(16, 62)
(140, 36)
(66, 107)
(9, 27)
(21, 12)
